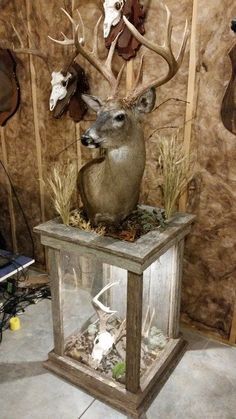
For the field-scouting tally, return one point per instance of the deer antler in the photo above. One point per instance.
(165, 51)
(104, 68)
(147, 326)
(22, 49)
(103, 312)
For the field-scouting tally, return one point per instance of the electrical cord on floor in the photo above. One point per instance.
(21, 208)
(18, 301)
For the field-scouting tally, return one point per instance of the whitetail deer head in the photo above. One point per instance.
(109, 186)
(115, 121)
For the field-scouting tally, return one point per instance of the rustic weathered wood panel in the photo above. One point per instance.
(134, 330)
(57, 300)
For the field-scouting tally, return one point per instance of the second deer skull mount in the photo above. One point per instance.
(67, 87)
(59, 84)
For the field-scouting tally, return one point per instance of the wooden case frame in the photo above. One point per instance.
(137, 394)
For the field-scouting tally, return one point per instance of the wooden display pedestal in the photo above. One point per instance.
(150, 274)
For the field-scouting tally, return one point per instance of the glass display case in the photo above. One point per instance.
(115, 309)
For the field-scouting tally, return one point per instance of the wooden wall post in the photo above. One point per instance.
(190, 95)
(57, 303)
(134, 331)
(129, 76)
(175, 291)
(36, 120)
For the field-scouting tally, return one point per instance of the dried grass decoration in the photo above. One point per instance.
(77, 219)
(177, 170)
(62, 182)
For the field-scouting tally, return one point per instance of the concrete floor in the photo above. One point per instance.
(203, 386)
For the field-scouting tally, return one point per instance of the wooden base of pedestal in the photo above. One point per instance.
(115, 394)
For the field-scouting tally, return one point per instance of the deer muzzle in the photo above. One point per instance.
(88, 141)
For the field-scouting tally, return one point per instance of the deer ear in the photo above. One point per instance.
(146, 102)
(93, 102)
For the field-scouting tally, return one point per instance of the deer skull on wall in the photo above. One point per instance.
(113, 12)
(59, 84)
(127, 45)
(67, 87)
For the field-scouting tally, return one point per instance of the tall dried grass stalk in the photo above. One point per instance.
(177, 170)
(62, 182)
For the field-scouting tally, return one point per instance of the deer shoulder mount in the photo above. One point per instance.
(127, 45)
(67, 87)
(109, 186)
(9, 87)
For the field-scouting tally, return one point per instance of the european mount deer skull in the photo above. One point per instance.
(59, 84)
(109, 186)
(67, 84)
(104, 340)
(112, 10)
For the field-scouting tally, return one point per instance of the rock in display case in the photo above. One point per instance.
(115, 308)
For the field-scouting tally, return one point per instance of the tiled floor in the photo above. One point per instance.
(203, 386)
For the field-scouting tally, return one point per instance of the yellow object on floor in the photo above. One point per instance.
(15, 323)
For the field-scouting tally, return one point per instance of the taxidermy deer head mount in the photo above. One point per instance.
(109, 186)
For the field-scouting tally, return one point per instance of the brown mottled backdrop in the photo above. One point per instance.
(32, 138)
(210, 268)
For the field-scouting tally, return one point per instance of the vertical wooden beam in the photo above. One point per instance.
(134, 331)
(175, 292)
(129, 76)
(190, 95)
(160, 284)
(36, 119)
(57, 302)
(9, 193)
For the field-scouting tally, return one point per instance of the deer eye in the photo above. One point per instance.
(120, 117)
(97, 341)
(64, 83)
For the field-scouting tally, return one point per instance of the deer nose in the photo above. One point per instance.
(88, 141)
